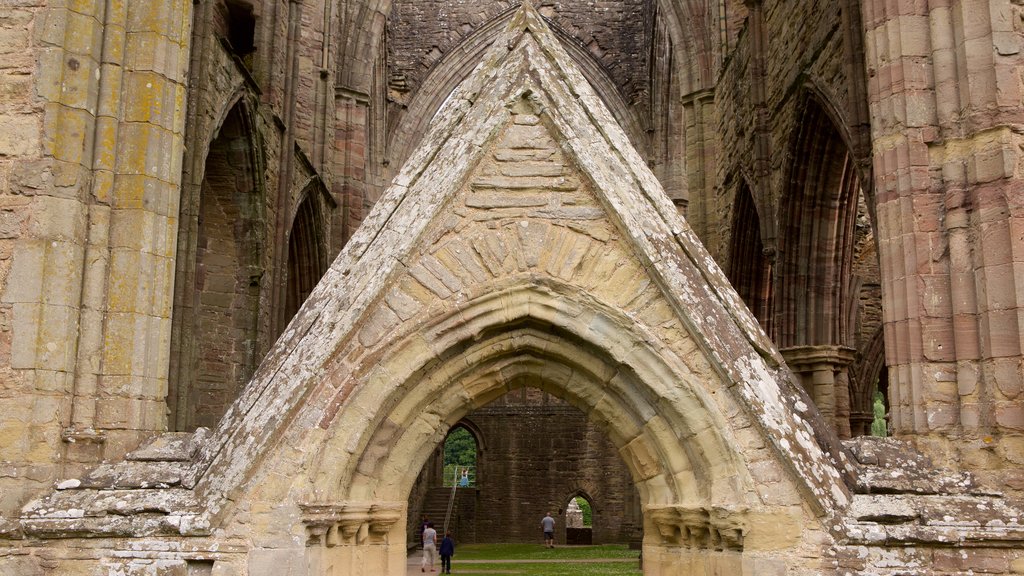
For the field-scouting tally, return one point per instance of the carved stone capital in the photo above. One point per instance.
(699, 527)
(350, 523)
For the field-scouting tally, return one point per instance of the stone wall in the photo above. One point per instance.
(539, 452)
(259, 113)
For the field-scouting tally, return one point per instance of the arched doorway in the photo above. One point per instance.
(695, 504)
(579, 521)
(461, 453)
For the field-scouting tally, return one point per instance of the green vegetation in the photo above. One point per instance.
(538, 552)
(460, 448)
(878, 426)
(459, 452)
(588, 513)
(535, 560)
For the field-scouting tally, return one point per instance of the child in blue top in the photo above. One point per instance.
(446, 552)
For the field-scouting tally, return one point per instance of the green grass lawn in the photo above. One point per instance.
(595, 569)
(536, 560)
(538, 552)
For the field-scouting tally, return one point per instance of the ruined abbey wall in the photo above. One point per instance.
(175, 178)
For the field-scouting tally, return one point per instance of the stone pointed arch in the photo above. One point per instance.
(527, 63)
(671, 436)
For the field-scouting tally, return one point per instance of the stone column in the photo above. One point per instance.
(351, 117)
(699, 118)
(824, 372)
(945, 103)
(91, 276)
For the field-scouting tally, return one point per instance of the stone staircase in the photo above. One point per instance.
(149, 492)
(901, 498)
(435, 505)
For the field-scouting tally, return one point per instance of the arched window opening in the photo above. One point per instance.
(816, 293)
(219, 290)
(306, 261)
(241, 29)
(460, 459)
(750, 270)
(817, 240)
(579, 521)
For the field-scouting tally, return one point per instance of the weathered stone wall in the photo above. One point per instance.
(91, 165)
(541, 451)
(615, 33)
(260, 113)
(31, 418)
(787, 60)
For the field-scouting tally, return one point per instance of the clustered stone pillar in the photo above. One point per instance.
(91, 275)
(824, 372)
(945, 105)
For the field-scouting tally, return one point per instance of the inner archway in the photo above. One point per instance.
(539, 449)
(579, 521)
(692, 492)
(461, 452)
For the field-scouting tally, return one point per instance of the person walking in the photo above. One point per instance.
(547, 524)
(446, 551)
(429, 547)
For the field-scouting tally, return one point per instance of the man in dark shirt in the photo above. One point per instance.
(446, 551)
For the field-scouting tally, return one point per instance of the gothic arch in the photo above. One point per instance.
(307, 247)
(498, 349)
(750, 269)
(220, 263)
(867, 379)
(814, 297)
(818, 212)
(474, 431)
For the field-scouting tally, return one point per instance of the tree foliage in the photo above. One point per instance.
(459, 453)
(588, 512)
(878, 426)
(460, 448)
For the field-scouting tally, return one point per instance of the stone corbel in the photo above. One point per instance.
(715, 529)
(331, 525)
(665, 520)
(729, 526)
(382, 517)
(351, 521)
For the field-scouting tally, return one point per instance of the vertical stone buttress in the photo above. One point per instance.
(945, 97)
(90, 282)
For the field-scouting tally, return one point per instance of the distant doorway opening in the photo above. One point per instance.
(579, 521)
(460, 458)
